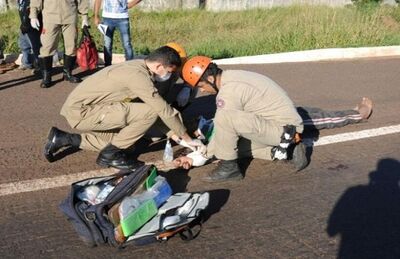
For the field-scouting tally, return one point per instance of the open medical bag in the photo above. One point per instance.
(132, 207)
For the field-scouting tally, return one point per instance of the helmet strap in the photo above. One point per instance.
(213, 84)
(214, 72)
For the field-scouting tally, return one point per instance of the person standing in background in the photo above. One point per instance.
(59, 16)
(4, 66)
(1, 61)
(1, 56)
(29, 38)
(115, 16)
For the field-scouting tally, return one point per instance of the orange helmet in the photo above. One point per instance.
(178, 48)
(194, 68)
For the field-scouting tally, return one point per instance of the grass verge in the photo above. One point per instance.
(251, 32)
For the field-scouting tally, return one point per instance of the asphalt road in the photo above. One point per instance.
(346, 202)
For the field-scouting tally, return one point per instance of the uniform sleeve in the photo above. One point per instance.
(210, 149)
(146, 91)
(36, 7)
(83, 7)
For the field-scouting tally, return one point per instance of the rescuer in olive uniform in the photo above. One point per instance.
(59, 16)
(116, 106)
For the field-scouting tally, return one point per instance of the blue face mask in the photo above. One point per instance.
(163, 78)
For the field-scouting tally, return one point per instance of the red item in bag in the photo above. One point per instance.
(86, 55)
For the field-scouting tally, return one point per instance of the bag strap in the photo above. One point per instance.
(127, 186)
(86, 32)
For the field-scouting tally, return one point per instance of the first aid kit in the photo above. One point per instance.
(132, 207)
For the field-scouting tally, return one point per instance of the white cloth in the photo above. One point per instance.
(198, 158)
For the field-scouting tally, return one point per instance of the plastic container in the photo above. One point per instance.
(128, 205)
(161, 190)
(137, 218)
(168, 152)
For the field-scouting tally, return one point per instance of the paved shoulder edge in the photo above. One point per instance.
(296, 56)
(315, 55)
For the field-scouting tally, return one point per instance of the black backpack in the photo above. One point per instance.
(180, 214)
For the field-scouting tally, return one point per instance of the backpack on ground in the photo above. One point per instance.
(132, 207)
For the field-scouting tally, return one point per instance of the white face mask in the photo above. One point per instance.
(163, 78)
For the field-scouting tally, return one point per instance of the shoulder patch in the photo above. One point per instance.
(220, 103)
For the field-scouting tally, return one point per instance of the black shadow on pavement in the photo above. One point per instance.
(16, 82)
(218, 198)
(310, 132)
(86, 73)
(56, 71)
(143, 146)
(177, 178)
(81, 75)
(367, 217)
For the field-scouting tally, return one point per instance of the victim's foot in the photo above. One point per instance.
(364, 108)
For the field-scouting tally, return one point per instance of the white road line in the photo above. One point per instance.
(350, 136)
(65, 180)
(50, 182)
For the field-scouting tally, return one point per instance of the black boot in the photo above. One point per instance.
(46, 65)
(111, 156)
(69, 63)
(227, 170)
(58, 139)
(36, 67)
(298, 157)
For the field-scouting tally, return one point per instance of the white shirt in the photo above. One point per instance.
(115, 9)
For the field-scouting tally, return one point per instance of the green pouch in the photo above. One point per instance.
(137, 218)
(150, 181)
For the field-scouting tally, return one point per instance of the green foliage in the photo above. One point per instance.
(251, 32)
(366, 2)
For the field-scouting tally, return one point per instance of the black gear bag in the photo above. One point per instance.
(132, 207)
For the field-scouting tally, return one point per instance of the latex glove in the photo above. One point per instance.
(194, 145)
(35, 24)
(183, 97)
(85, 20)
(198, 159)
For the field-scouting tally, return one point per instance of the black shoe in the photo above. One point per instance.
(299, 158)
(46, 66)
(58, 139)
(69, 63)
(227, 170)
(111, 156)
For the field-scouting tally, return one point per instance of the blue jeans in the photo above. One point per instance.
(124, 29)
(29, 43)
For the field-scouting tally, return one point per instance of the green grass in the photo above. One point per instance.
(252, 32)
